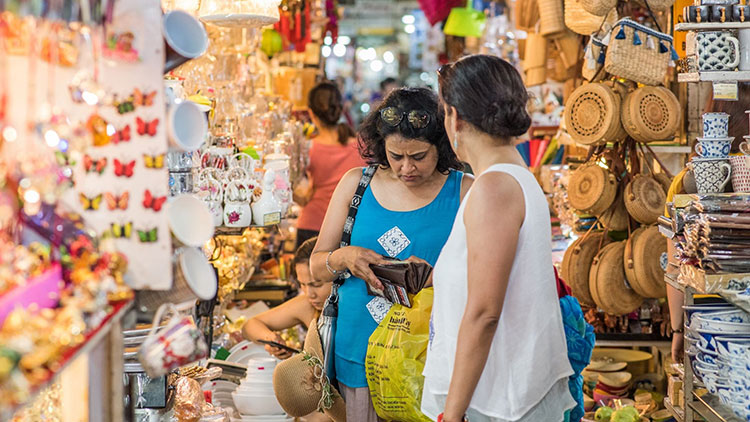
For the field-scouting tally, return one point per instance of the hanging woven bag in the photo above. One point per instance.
(607, 282)
(651, 113)
(592, 189)
(639, 53)
(551, 18)
(644, 252)
(645, 199)
(578, 20)
(615, 218)
(592, 115)
(576, 265)
(598, 7)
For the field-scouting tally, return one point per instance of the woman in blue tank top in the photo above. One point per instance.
(406, 212)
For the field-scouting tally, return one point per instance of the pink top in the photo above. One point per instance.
(328, 164)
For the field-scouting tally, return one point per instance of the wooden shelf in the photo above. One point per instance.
(676, 411)
(714, 76)
(632, 340)
(236, 231)
(712, 410)
(711, 26)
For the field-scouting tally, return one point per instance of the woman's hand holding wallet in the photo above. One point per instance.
(401, 278)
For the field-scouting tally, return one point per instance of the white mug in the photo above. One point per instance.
(718, 50)
(745, 145)
(185, 38)
(744, 38)
(187, 126)
(190, 220)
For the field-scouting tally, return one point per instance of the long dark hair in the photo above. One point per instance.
(326, 104)
(487, 92)
(374, 130)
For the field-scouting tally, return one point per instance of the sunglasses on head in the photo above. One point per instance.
(418, 119)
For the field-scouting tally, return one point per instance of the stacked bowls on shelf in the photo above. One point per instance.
(711, 166)
(717, 338)
(254, 399)
(221, 393)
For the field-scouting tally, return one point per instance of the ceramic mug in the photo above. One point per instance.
(190, 220)
(721, 13)
(744, 37)
(237, 211)
(711, 175)
(179, 343)
(713, 148)
(187, 126)
(696, 14)
(715, 125)
(740, 173)
(718, 50)
(741, 13)
(745, 145)
(185, 38)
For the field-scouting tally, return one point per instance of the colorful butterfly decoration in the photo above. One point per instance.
(115, 202)
(148, 236)
(121, 231)
(143, 99)
(124, 169)
(90, 203)
(153, 202)
(92, 165)
(124, 106)
(153, 161)
(147, 128)
(122, 135)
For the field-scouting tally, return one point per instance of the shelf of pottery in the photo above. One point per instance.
(717, 43)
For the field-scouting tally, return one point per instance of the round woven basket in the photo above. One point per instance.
(664, 180)
(592, 189)
(576, 265)
(592, 115)
(643, 254)
(651, 113)
(615, 218)
(607, 282)
(598, 7)
(645, 199)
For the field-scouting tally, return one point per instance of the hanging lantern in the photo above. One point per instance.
(465, 22)
(239, 13)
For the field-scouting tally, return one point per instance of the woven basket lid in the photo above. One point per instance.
(645, 199)
(607, 277)
(651, 113)
(591, 189)
(576, 265)
(642, 258)
(615, 218)
(592, 114)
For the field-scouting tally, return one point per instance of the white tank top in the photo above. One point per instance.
(529, 352)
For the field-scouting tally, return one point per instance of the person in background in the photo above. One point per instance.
(406, 212)
(497, 345)
(387, 85)
(737, 129)
(333, 152)
(300, 310)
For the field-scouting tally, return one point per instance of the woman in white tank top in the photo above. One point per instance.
(497, 351)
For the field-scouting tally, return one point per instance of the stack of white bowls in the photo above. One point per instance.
(254, 399)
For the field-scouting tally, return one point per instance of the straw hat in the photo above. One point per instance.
(651, 113)
(576, 265)
(592, 189)
(592, 115)
(300, 380)
(645, 199)
(607, 282)
(643, 254)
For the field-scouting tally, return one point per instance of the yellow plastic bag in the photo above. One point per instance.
(396, 355)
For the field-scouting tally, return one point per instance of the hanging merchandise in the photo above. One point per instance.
(616, 217)
(580, 21)
(576, 264)
(535, 60)
(294, 24)
(465, 21)
(598, 7)
(592, 189)
(645, 256)
(592, 115)
(593, 58)
(551, 18)
(651, 114)
(645, 199)
(609, 287)
(526, 15)
(639, 53)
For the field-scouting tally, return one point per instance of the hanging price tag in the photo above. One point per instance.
(726, 91)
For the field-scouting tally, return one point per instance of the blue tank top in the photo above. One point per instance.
(398, 234)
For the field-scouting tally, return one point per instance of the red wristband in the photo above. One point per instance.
(440, 418)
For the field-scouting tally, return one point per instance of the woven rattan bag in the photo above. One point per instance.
(527, 15)
(651, 113)
(639, 53)
(598, 7)
(576, 265)
(615, 218)
(551, 18)
(578, 20)
(607, 282)
(592, 115)
(592, 189)
(645, 199)
(643, 255)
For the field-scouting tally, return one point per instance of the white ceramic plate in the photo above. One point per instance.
(246, 352)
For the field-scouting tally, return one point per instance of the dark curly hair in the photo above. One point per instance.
(374, 130)
(326, 103)
(487, 92)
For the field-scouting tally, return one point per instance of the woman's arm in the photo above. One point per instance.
(287, 315)
(675, 300)
(493, 219)
(355, 259)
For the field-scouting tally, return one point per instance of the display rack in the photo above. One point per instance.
(676, 411)
(107, 337)
(237, 231)
(631, 340)
(715, 76)
(711, 26)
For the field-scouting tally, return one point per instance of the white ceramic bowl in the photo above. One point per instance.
(253, 391)
(720, 326)
(257, 405)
